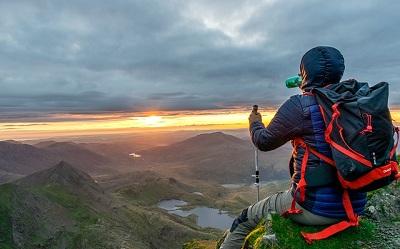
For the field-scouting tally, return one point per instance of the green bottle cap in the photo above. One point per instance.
(294, 81)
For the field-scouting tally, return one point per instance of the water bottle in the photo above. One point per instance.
(294, 81)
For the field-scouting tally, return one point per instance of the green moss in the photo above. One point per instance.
(288, 235)
(6, 241)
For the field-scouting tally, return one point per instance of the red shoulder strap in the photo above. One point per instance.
(301, 186)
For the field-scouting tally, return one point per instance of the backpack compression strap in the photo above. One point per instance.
(347, 151)
(377, 173)
(338, 227)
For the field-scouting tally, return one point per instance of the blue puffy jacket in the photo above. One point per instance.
(300, 117)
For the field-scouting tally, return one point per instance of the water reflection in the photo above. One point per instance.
(207, 217)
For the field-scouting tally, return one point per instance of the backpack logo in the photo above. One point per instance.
(386, 171)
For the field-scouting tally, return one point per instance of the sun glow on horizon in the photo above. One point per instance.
(66, 125)
(152, 121)
(75, 125)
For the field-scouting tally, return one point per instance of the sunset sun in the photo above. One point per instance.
(152, 121)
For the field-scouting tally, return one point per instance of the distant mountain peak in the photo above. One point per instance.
(62, 174)
(63, 167)
(217, 133)
(53, 144)
(213, 138)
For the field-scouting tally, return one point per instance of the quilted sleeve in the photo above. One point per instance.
(284, 126)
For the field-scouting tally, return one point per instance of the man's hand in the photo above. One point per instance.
(254, 117)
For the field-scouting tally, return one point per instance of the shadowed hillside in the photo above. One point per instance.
(62, 207)
(77, 155)
(23, 158)
(217, 157)
(18, 159)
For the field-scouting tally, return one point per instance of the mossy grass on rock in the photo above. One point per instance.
(288, 236)
(200, 244)
(255, 238)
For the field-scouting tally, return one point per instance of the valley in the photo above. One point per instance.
(68, 194)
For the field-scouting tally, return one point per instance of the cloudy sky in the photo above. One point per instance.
(59, 58)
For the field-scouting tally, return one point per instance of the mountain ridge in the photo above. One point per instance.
(24, 159)
(217, 157)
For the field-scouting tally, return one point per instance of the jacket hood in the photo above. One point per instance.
(321, 66)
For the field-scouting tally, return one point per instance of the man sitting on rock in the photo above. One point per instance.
(300, 116)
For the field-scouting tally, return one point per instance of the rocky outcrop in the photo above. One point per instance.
(384, 209)
(384, 204)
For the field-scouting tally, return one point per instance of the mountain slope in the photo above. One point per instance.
(23, 158)
(77, 155)
(195, 148)
(63, 207)
(218, 157)
(18, 159)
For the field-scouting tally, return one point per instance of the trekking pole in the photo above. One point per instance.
(257, 174)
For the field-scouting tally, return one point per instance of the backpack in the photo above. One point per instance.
(360, 132)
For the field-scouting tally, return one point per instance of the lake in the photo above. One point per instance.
(207, 217)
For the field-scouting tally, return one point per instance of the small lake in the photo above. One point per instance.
(207, 217)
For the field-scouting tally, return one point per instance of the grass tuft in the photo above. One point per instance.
(255, 237)
(199, 244)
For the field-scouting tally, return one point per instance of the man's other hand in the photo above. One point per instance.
(254, 117)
